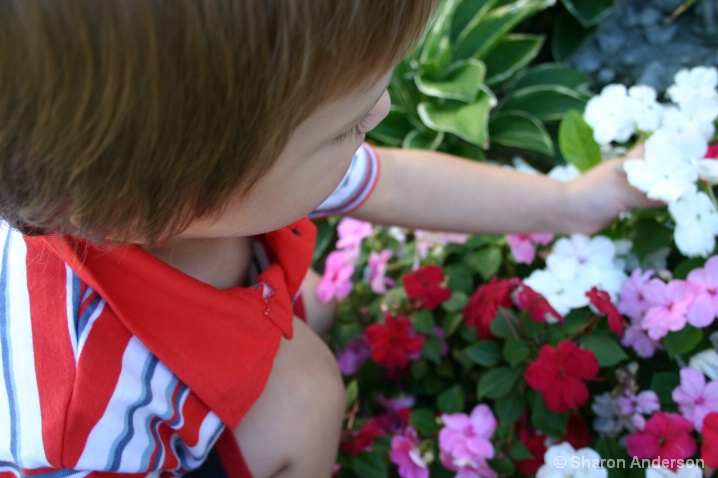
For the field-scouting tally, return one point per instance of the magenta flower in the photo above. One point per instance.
(632, 300)
(694, 397)
(703, 309)
(336, 280)
(668, 306)
(465, 441)
(406, 455)
(354, 355)
(666, 435)
(523, 246)
(377, 271)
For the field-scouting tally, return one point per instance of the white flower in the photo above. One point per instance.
(694, 118)
(609, 114)
(696, 224)
(665, 174)
(708, 170)
(707, 362)
(700, 81)
(558, 291)
(562, 461)
(689, 470)
(646, 110)
(564, 173)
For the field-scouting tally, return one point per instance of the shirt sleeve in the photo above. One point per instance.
(355, 188)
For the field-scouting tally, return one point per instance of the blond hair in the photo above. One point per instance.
(132, 118)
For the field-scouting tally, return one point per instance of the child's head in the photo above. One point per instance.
(133, 118)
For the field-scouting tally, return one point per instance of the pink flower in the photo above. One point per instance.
(354, 355)
(694, 397)
(668, 306)
(703, 309)
(632, 300)
(406, 455)
(426, 240)
(666, 435)
(465, 441)
(634, 336)
(712, 152)
(351, 233)
(377, 271)
(336, 280)
(523, 245)
(645, 402)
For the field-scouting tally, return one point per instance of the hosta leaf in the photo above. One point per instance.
(553, 74)
(479, 38)
(462, 81)
(518, 129)
(467, 121)
(467, 14)
(567, 35)
(436, 47)
(393, 129)
(513, 53)
(588, 13)
(545, 102)
(423, 140)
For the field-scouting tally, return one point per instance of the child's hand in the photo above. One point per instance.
(598, 196)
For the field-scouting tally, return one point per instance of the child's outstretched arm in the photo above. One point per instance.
(436, 191)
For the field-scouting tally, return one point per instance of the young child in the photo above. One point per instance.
(158, 161)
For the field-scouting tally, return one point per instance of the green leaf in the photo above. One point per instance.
(590, 13)
(515, 350)
(663, 383)
(649, 236)
(484, 352)
(393, 129)
(370, 465)
(497, 382)
(325, 236)
(467, 121)
(431, 350)
(456, 303)
(575, 139)
(488, 262)
(352, 393)
(422, 140)
(451, 323)
(605, 347)
(469, 13)
(682, 342)
(518, 129)
(545, 102)
(423, 321)
(685, 267)
(518, 451)
(509, 56)
(451, 400)
(511, 407)
(610, 449)
(553, 74)
(436, 46)
(479, 38)
(504, 466)
(424, 421)
(500, 326)
(462, 81)
(566, 36)
(543, 419)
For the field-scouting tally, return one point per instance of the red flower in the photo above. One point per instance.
(425, 285)
(393, 342)
(481, 309)
(355, 442)
(709, 448)
(577, 432)
(536, 445)
(538, 307)
(559, 373)
(602, 302)
(666, 435)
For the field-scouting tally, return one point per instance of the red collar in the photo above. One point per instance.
(220, 342)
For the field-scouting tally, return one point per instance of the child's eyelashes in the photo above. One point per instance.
(359, 128)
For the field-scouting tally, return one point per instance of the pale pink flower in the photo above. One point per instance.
(336, 280)
(645, 402)
(406, 455)
(465, 441)
(632, 300)
(377, 279)
(695, 397)
(523, 246)
(351, 233)
(634, 336)
(427, 240)
(703, 309)
(354, 355)
(668, 306)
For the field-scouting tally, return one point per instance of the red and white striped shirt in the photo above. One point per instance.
(115, 362)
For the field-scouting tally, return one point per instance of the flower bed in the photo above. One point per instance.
(480, 356)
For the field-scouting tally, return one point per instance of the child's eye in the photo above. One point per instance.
(359, 128)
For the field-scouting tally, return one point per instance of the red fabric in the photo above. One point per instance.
(220, 342)
(231, 456)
